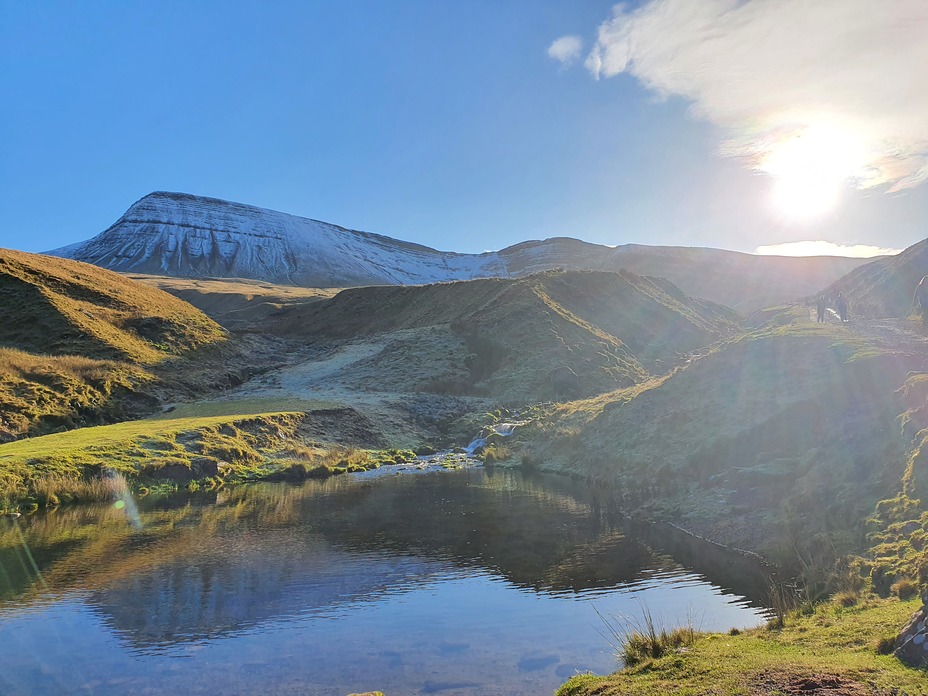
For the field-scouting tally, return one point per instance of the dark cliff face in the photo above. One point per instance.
(191, 236)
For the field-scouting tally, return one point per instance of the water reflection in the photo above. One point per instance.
(461, 570)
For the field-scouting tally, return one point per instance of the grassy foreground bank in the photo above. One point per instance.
(182, 451)
(835, 650)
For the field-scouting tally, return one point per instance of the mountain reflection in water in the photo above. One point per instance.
(437, 559)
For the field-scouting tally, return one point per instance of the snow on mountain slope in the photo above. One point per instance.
(182, 235)
(177, 234)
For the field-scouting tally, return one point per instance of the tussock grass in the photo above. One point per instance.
(653, 644)
(904, 588)
(645, 641)
(496, 452)
(39, 393)
(51, 491)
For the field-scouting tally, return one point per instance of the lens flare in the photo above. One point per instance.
(811, 167)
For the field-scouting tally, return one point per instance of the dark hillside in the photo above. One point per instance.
(546, 336)
(782, 441)
(885, 287)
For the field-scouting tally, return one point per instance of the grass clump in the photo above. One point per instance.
(646, 641)
(904, 588)
(653, 644)
(496, 452)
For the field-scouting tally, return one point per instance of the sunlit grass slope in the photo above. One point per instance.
(60, 307)
(898, 554)
(833, 651)
(235, 302)
(78, 344)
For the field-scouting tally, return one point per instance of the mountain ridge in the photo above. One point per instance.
(183, 235)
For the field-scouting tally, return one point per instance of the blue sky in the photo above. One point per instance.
(442, 123)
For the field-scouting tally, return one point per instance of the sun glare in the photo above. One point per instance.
(811, 168)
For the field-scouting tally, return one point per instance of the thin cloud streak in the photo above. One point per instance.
(823, 248)
(773, 71)
(566, 50)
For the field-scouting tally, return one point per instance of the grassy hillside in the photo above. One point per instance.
(832, 651)
(547, 336)
(781, 441)
(78, 465)
(58, 307)
(885, 287)
(79, 344)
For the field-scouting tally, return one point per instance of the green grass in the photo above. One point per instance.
(835, 645)
(213, 449)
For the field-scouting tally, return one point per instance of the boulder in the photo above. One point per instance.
(912, 643)
(171, 472)
(204, 466)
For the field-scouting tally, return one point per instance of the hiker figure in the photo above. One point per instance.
(821, 307)
(841, 306)
(921, 298)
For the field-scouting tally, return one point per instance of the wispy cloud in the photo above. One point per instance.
(821, 248)
(770, 72)
(566, 50)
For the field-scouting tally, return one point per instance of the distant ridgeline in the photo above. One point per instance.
(180, 235)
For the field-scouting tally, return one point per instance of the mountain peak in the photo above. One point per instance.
(183, 235)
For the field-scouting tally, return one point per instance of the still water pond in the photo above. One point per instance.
(464, 582)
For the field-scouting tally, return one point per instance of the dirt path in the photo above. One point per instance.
(895, 335)
(352, 376)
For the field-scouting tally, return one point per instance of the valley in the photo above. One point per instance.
(748, 425)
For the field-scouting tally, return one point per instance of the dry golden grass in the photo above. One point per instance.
(58, 306)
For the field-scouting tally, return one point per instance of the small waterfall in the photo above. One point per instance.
(502, 429)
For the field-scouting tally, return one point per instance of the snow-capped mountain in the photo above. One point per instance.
(177, 234)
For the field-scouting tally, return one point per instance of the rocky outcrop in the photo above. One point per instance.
(912, 643)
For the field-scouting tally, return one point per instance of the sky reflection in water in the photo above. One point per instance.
(453, 583)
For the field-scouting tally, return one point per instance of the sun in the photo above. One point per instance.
(811, 168)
